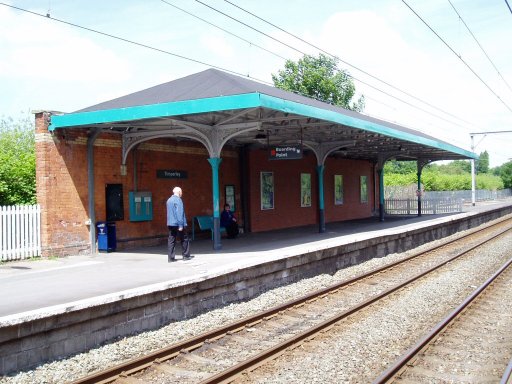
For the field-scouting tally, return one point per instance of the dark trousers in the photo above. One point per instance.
(171, 242)
(232, 230)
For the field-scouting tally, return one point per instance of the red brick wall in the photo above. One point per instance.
(352, 208)
(287, 210)
(61, 174)
(62, 186)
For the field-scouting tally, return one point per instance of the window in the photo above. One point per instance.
(305, 189)
(338, 189)
(364, 189)
(230, 196)
(267, 190)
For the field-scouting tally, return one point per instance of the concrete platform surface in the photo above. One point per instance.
(48, 285)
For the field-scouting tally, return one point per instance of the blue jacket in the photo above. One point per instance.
(226, 218)
(175, 212)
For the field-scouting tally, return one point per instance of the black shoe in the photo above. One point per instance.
(188, 258)
(171, 260)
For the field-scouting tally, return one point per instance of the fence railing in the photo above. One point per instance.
(20, 232)
(428, 206)
(409, 192)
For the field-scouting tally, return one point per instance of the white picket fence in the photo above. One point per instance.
(428, 206)
(20, 232)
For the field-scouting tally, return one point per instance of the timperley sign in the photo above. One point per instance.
(170, 174)
(285, 152)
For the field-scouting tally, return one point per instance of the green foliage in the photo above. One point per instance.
(400, 167)
(482, 164)
(319, 78)
(391, 179)
(457, 167)
(17, 161)
(434, 180)
(505, 173)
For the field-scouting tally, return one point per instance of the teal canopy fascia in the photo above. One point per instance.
(240, 102)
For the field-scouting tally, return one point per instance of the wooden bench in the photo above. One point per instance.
(205, 223)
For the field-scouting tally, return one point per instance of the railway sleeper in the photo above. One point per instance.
(424, 375)
(174, 370)
(128, 380)
(260, 332)
(195, 358)
(436, 363)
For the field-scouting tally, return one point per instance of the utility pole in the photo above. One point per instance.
(473, 179)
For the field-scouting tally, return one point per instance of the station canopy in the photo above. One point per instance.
(244, 112)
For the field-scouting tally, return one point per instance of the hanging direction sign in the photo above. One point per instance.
(285, 152)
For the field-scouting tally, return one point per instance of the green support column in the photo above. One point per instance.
(215, 163)
(321, 214)
(380, 173)
(419, 193)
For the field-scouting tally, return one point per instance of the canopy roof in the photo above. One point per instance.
(241, 111)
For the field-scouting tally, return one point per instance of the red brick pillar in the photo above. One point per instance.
(61, 187)
(43, 143)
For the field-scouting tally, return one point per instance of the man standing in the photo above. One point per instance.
(177, 224)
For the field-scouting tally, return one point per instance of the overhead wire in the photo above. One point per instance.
(348, 74)
(361, 81)
(508, 5)
(250, 27)
(347, 63)
(47, 16)
(458, 55)
(483, 50)
(222, 29)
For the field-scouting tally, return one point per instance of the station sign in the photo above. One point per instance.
(285, 152)
(171, 174)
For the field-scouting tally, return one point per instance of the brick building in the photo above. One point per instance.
(281, 159)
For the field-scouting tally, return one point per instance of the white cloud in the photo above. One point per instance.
(217, 45)
(38, 48)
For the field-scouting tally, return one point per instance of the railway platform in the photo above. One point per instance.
(41, 283)
(76, 303)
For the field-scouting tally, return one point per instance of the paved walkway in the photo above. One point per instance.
(36, 284)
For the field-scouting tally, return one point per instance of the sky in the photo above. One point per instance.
(452, 87)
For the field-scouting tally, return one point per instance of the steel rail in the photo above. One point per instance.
(392, 371)
(507, 376)
(269, 354)
(137, 364)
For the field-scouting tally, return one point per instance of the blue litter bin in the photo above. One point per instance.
(106, 231)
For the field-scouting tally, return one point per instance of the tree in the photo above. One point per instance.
(400, 167)
(456, 167)
(319, 78)
(505, 172)
(482, 164)
(17, 161)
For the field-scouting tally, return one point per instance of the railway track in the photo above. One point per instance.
(455, 350)
(221, 355)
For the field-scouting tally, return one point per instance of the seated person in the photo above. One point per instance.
(228, 221)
